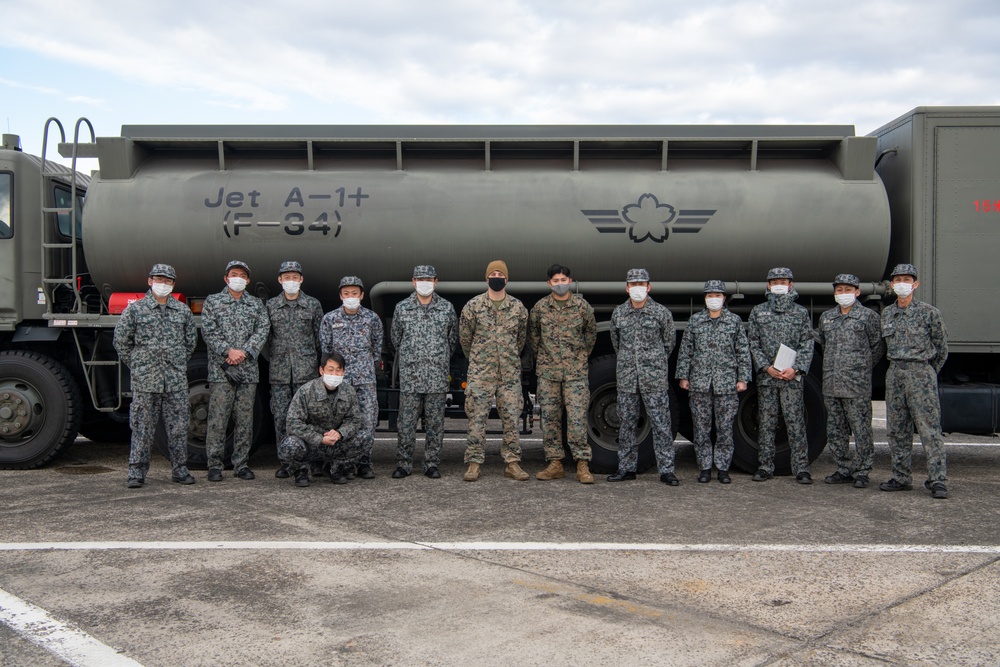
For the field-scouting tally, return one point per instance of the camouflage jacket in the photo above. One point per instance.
(156, 343)
(358, 337)
(852, 345)
(715, 353)
(314, 411)
(562, 335)
(425, 337)
(643, 338)
(492, 338)
(777, 321)
(294, 338)
(915, 333)
(228, 323)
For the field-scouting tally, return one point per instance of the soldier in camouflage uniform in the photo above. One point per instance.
(424, 333)
(642, 333)
(356, 333)
(851, 337)
(155, 338)
(324, 420)
(562, 332)
(235, 327)
(917, 347)
(713, 363)
(295, 318)
(492, 330)
(780, 321)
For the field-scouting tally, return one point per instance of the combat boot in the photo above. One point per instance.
(514, 471)
(472, 474)
(553, 471)
(583, 473)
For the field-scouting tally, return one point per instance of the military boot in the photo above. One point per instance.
(514, 471)
(472, 474)
(553, 471)
(583, 473)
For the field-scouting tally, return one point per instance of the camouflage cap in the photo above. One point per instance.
(351, 281)
(847, 279)
(290, 267)
(424, 271)
(237, 264)
(904, 270)
(637, 276)
(715, 286)
(164, 270)
(780, 272)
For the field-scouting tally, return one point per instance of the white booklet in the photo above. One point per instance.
(785, 358)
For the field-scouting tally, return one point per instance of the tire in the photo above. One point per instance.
(40, 409)
(603, 421)
(198, 394)
(745, 430)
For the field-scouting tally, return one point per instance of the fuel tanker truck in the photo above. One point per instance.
(688, 203)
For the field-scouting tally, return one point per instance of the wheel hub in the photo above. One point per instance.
(14, 413)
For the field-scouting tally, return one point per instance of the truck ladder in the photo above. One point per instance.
(90, 368)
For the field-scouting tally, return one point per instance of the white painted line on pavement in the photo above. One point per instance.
(69, 644)
(501, 546)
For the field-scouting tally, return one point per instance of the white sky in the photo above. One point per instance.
(498, 61)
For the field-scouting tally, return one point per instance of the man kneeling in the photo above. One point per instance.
(323, 420)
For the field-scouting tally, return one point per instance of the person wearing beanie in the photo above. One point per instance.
(492, 331)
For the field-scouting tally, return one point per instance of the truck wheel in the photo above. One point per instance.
(40, 409)
(603, 421)
(746, 429)
(198, 394)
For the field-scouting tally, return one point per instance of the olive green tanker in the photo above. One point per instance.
(688, 203)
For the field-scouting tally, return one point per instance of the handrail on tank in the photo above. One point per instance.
(49, 293)
(72, 212)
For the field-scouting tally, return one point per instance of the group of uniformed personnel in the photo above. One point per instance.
(325, 415)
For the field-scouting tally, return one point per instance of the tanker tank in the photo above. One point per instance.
(376, 205)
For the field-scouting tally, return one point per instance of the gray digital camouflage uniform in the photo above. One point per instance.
(777, 321)
(425, 338)
(241, 324)
(313, 411)
(562, 335)
(917, 347)
(294, 346)
(852, 345)
(713, 356)
(155, 342)
(358, 337)
(492, 339)
(643, 338)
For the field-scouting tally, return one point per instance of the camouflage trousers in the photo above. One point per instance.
(368, 402)
(479, 397)
(658, 413)
(298, 454)
(788, 399)
(911, 398)
(225, 401)
(146, 410)
(411, 406)
(281, 398)
(843, 417)
(573, 395)
(703, 403)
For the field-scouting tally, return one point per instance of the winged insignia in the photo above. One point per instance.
(647, 218)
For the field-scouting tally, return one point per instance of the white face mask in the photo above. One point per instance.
(352, 303)
(291, 287)
(637, 293)
(844, 300)
(779, 289)
(237, 284)
(903, 289)
(425, 287)
(715, 303)
(332, 381)
(162, 289)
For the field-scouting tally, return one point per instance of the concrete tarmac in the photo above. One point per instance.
(497, 572)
